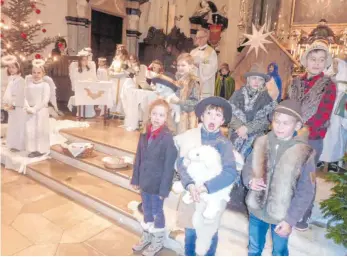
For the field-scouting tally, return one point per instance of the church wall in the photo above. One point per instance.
(154, 13)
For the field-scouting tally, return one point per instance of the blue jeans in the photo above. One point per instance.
(189, 243)
(153, 211)
(257, 237)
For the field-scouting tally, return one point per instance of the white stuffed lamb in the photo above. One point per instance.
(203, 164)
(167, 93)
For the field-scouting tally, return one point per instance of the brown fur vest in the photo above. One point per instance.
(280, 177)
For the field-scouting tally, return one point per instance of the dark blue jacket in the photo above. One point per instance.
(154, 163)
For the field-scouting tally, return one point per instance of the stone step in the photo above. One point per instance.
(94, 165)
(109, 199)
(115, 141)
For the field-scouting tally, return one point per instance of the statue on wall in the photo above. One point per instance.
(322, 31)
(207, 14)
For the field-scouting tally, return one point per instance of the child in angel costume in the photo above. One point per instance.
(134, 66)
(83, 70)
(37, 95)
(13, 101)
(102, 72)
(119, 75)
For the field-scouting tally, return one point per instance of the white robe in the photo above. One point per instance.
(14, 95)
(102, 74)
(335, 141)
(76, 76)
(207, 62)
(37, 127)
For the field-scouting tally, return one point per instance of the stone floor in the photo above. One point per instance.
(38, 221)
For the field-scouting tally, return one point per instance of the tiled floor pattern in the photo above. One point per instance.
(37, 221)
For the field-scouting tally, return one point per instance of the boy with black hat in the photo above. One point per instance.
(213, 112)
(280, 173)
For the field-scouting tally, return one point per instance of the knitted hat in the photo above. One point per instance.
(257, 70)
(317, 45)
(217, 101)
(291, 108)
(166, 79)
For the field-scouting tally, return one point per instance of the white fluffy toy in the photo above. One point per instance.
(203, 164)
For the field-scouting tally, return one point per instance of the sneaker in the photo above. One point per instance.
(157, 243)
(301, 226)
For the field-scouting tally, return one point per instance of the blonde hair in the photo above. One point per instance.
(186, 57)
(158, 102)
(41, 67)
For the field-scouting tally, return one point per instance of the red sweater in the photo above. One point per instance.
(325, 108)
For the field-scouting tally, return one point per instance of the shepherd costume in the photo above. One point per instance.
(225, 84)
(251, 108)
(189, 94)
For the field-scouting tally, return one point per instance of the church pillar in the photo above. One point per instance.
(132, 26)
(78, 33)
(266, 12)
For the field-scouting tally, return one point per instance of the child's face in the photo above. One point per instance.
(84, 61)
(256, 81)
(212, 119)
(158, 116)
(37, 73)
(183, 67)
(316, 62)
(156, 67)
(284, 125)
(101, 63)
(271, 68)
(224, 71)
(12, 69)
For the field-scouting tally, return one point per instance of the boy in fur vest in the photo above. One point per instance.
(280, 173)
(213, 112)
(317, 93)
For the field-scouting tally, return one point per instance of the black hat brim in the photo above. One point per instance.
(217, 101)
(164, 82)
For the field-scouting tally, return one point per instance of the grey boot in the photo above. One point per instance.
(145, 238)
(158, 236)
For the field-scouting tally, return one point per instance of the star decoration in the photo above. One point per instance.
(257, 39)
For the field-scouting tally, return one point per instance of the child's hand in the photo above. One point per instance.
(257, 184)
(202, 189)
(194, 192)
(242, 132)
(283, 229)
(135, 187)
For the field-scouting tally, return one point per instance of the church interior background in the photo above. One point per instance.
(74, 202)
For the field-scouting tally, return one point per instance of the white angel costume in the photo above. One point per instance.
(118, 76)
(14, 96)
(52, 87)
(102, 74)
(75, 76)
(335, 141)
(205, 58)
(37, 97)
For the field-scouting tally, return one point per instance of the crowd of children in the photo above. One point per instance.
(280, 164)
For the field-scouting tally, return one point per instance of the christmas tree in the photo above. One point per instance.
(18, 36)
(335, 208)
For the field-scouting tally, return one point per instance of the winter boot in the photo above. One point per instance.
(146, 237)
(157, 243)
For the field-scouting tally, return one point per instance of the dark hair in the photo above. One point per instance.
(56, 46)
(80, 64)
(17, 66)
